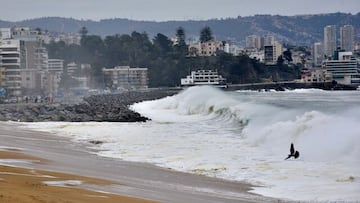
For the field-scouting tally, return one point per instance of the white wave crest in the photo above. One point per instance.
(201, 102)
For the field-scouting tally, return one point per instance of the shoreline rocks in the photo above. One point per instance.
(99, 108)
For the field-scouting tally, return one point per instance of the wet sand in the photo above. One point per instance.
(71, 161)
(30, 185)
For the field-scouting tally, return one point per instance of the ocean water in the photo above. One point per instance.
(245, 136)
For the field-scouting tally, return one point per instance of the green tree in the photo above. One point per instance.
(162, 44)
(287, 55)
(206, 34)
(180, 37)
(83, 31)
(181, 46)
(92, 47)
(280, 60)
(140, 49)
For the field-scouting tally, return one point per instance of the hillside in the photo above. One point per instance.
(288, 29)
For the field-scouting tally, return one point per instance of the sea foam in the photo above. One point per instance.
(243, 136)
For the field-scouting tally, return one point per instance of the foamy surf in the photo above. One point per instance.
(243, 136)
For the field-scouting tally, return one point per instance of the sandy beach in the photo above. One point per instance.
(29, 158)
(30, 185)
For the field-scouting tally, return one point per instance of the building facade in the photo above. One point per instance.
(345, 70)
(209, 48)
(25, 34)
(269, 40)
(272, 53)
(13, 60)
(2, 76)
(24, 59)
(32, 75)
(55, 65)
(313, 76)
(329, 40)
(126, 78)
(53, 75)
(254, 42)
(203, 77)
(347, 34)
(5, 33)
(317, 53)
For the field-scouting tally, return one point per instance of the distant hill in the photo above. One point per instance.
(298, 30)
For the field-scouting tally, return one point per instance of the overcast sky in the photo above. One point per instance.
(163, 10)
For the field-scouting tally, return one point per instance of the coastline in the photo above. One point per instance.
(30, 185)
(139, 180)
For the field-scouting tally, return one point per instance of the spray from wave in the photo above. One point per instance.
(202, 102)
(243, 136)
(318, 135)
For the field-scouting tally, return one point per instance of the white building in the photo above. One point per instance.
(72, 68)
(233, 49)
(317, 54)
(258, 55)
(345, 70)
(5, 33)
(13, 60)
(314, 75)
(347, 34)
(203, 77)
(209, 48)
(53, 75)
(70, 38)
(329, 40)
(56, 65)
(124, 77)
(25, 34)
(24, 58)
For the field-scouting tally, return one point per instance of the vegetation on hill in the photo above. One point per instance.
(297, 30)
(167, 62)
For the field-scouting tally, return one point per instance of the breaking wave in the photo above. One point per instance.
(318, 134)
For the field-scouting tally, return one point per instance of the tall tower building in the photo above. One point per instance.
(347, 38)
(329, 40)
(269, 40)
(272, 53)
(317, 54)
(254, 41)
(13, 55)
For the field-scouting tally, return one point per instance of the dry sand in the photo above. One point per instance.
(50, 154)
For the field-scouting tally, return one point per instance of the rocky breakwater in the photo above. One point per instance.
(111, 108)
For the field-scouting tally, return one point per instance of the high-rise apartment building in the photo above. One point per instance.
(272, 53)
(329, 40)
(13, 60)
(347, 38)
(269, 40)
(24, 59)
(317, 54)
(254, 41)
